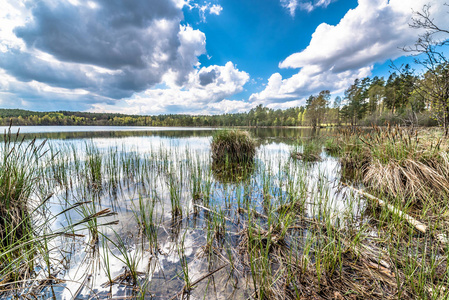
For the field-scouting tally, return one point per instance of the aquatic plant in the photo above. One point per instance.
(19, 172)
(332, 146)
(145, 217)
(308, 151)
(232, 146)
(233, 172)
(174, 184)
(93, 169)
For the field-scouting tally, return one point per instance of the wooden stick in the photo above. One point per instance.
(81, 287)
(415, 223)
(214, 212)
(198, 281)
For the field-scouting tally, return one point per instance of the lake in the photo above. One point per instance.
(144, 212)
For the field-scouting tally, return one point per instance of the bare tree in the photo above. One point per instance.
(428, 50)
(426, 43)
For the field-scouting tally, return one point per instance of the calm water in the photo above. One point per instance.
(82, 132)
(177, 149)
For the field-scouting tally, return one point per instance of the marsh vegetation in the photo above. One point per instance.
(167, 218)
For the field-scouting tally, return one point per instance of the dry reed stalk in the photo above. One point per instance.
(409, 179)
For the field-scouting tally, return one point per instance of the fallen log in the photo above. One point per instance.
(412, 221)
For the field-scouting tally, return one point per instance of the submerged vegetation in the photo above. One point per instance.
(162, 223)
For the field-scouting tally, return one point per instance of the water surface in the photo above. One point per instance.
(153, 166)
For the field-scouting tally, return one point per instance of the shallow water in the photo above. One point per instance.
(153, 166)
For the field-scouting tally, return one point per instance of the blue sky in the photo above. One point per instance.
(195, 57)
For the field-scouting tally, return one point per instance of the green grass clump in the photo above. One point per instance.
(332, 146)
(311, 151)
(232, 146)
(19, 167)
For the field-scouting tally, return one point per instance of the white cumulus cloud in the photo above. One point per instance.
(86, 54)
(307, 82)
(205, 8)
(204, 93)
(371, 33)
(293, 5)
(215, 9)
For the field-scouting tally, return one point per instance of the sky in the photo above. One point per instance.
(155, 57)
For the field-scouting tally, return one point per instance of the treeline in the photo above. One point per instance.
(259, 116)
(403, 98)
